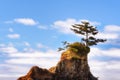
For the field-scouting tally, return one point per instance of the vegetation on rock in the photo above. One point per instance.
(88, 31)
(78, 47)
(73, 64)
(75, 50)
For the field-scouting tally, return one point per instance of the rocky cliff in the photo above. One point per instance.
(72, 66)
(37, 73)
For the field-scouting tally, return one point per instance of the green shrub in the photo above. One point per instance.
(78, 47)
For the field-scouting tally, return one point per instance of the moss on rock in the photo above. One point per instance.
(75, 50)
(79, 48)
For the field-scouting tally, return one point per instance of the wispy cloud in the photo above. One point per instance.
(103, 69)
(100, 68)
(112, 28)
(7, 49)
(41, 46)
(13, 36)
(26, 60)
(42, 27)
(26, 21)
(64, 26)
(110, 32)
(105, 63)
(22, 57)
(46, 59)
(106, 35)
(19, 62)
(26, 43)
(112, 52)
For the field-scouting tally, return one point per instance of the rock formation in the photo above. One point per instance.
(37, 73)
(72, 66)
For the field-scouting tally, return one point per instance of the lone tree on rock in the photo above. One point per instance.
(88, 31)
(79, 50)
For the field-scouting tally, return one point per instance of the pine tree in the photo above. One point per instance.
(88, 31)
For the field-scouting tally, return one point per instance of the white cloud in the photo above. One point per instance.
(42, 62)
(110, 32)
(35, 54)
(104, 63)
(13, 36)
(42, 27)
(105, 35)
(64, 26)
(2, 45)
(112, 52)
(28, 49)
(34, 57)
(39, 45)
(20, 62)
(103, 69)
(26, 21)
(114, 42)
(13, 71)
(8, 49)
(26, 43)
(112, 28)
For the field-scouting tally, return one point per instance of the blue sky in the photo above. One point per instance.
(32, 30)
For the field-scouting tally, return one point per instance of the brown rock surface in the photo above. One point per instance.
(37, 73)
(71, 67)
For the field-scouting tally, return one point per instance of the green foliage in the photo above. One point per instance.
(88, 31)
(78, 47)
(65, 44)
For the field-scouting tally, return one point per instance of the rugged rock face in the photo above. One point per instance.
(73, 69)
(70, 67)
(37, 73)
